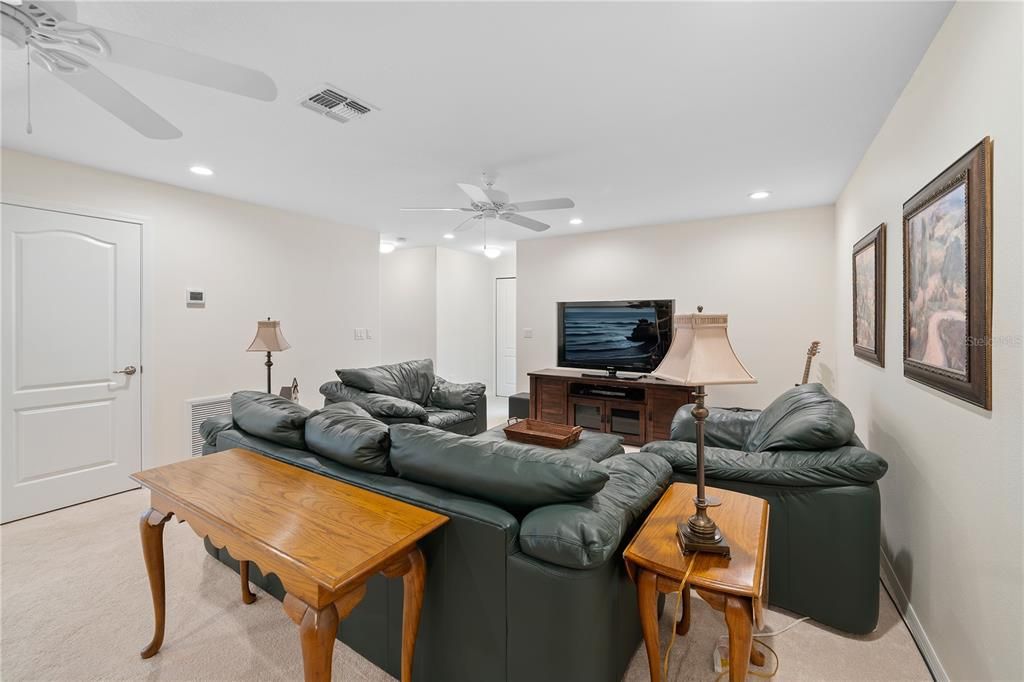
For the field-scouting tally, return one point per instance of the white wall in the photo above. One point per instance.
(465, 302)
(408, 301)
(951, 501)
(318, 278)
(771, 272)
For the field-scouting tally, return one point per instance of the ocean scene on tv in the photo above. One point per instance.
(611, 335)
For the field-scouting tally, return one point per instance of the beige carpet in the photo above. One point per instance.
(76, 606)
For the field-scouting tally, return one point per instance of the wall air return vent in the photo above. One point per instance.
(198, 410)
(337, 104)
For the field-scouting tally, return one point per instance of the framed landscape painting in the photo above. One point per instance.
(947, 280)
(869, 297)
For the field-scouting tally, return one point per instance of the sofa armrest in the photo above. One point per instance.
(847, 465)
(587, 534)
(480, 414)
(452, 396)
(377, 404)
(725, 427)
(213, 426)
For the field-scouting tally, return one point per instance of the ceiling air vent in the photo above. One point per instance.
(335, 103)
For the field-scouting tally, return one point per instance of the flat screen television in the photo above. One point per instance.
(627, 336)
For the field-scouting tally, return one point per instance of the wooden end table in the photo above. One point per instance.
(736, 586)
(321, 537)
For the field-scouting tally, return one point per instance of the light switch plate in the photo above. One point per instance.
(528, 333)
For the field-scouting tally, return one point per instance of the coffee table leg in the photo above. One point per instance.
(317, 630)
(412, 603)
(739, 617)
(647, 600)
(151, 530)
(243, 570)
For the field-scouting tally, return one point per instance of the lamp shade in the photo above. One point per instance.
(701, 354)
(268, 337)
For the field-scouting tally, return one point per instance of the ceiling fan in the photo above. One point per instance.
(487, 202)
(64, 48)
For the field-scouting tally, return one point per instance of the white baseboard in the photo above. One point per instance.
(906, 609)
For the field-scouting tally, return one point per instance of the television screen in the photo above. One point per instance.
(631, 336)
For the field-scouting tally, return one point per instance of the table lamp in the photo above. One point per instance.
(269, 339)
(701, 355)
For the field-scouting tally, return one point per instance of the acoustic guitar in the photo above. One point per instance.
(812, 350)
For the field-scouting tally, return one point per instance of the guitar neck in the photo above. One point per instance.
(807, 370)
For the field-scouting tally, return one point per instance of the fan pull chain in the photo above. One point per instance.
(28, 91)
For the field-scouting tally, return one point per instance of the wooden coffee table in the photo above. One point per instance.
(321, 537)
(736, 586)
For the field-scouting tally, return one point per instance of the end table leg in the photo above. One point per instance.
(243, 571)
(151, 530)
(647, 600)
(412, 603)
(317, 630)
(683, 626)
(739, 616)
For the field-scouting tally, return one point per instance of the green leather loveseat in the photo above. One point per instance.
(524, 584)
(800, 454)
(410, 393)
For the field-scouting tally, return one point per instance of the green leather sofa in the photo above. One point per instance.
(801, 455)
(410, 393)
(516, 590)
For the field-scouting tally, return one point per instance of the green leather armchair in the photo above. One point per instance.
(802, 456)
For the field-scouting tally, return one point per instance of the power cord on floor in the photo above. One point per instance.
(679, 602)
(756, 640)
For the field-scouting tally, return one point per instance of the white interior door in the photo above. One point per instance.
(505, 334)
(72, 425)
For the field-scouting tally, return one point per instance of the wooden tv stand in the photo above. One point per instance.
(639, 410)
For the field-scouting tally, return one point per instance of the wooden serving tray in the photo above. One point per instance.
(546, 434)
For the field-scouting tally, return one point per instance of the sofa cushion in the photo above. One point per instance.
(214, 425)
(512, 475)
(596, 447)
(412, 380)
(587, 534)
(377, 404)
(847, 465)
(270, 416)
(442, 419)
(452, 396)
(805, 417)
(348, 434)
(725, 427)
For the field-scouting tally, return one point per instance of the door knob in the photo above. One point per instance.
(129, 370)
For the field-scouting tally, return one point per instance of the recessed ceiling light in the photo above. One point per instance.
(201, 170)
(449, 236)
(492, 251)
(386, 247)
(576, 221)
(760, 194)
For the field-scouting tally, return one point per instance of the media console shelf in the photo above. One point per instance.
(639, 410)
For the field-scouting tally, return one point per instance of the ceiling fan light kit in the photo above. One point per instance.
(64, 48)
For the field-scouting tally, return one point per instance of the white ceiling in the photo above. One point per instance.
(642, 113)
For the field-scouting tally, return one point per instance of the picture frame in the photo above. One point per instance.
(869, 297)
(947, 280)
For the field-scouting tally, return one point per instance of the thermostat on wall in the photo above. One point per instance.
(195, 298)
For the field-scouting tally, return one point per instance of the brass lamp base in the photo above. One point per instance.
(700, 533)
(691, 543)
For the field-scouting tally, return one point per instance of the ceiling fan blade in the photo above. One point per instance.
(119, 102)
(470, 210)
(496, 196)
(523, 221)
(543, 204)
(476, 194)
(465, 224)
(173, 62)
